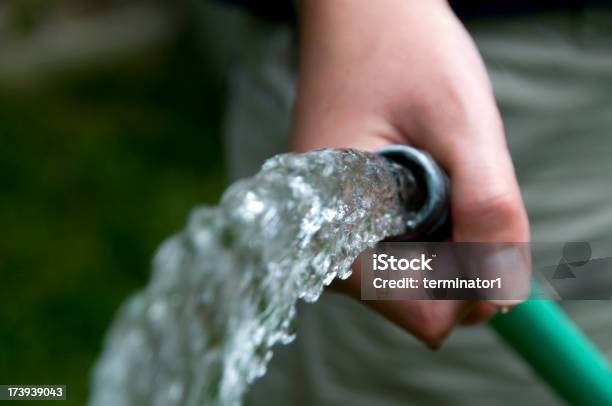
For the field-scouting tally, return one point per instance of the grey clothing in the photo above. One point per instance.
(552, 77)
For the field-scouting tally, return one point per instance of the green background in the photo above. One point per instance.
(97, 167)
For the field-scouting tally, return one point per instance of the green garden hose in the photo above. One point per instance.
(538, 330)
(554, 347)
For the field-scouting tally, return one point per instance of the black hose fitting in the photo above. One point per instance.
(431, 221)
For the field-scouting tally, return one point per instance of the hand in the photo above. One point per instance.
(373, 73)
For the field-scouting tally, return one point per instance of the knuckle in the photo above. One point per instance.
(499, 217)
(502, 207)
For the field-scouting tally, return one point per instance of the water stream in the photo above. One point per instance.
(224, 289)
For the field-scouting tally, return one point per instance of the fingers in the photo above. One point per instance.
(430, 321)
(480, 312)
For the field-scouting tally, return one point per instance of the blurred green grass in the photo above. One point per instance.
(96, 169)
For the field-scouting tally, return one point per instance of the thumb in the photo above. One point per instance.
(486, 206)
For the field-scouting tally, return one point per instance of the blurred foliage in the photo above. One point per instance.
(25, 15)
(96, 169)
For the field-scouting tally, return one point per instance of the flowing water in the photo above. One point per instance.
(224, 289)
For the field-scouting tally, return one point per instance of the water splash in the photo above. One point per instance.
(224, 290)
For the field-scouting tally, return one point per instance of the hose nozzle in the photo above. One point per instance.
(431, 221)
